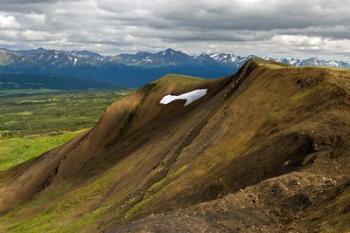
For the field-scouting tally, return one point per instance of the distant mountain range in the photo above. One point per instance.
(312, 62)
(37, 67)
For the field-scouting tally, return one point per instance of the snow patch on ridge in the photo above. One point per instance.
(190, 97)
(75, 61)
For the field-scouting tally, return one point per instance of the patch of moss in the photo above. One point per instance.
(138, 207)
(166, 180)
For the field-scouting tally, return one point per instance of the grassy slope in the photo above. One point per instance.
(60, 212)
(81, 209)
(283, 114)
(178, 80)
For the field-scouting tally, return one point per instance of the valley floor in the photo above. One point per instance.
(35, 121)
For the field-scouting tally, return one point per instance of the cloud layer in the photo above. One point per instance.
(261, 27)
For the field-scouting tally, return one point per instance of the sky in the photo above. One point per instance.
(278, 28)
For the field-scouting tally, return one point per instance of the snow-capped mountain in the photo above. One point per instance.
(56, 57)
(312, 62)
(223, 57)
(168, 57)
(132, 69)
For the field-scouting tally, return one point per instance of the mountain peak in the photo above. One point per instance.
(172, 52)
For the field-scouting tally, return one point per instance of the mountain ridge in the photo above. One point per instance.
(266, 150)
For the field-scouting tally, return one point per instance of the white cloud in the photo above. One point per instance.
(33, 35)
(299, 42)
(8, 22)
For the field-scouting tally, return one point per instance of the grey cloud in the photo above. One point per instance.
(241, 26)
(29, 2)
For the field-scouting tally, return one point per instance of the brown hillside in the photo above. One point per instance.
(266, 150)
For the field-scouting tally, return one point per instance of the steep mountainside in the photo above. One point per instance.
(265, 150)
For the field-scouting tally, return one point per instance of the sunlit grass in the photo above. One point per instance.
(16, 150)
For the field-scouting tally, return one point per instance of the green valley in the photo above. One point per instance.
(35, 121)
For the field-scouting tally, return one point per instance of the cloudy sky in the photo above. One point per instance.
(297, 28)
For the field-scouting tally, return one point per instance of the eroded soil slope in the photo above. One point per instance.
(266, 150)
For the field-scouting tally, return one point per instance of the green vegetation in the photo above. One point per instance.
(31, 125)
(53, 113)
(63, 205)
(24, 81)
(19, 149)
(25, 92)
